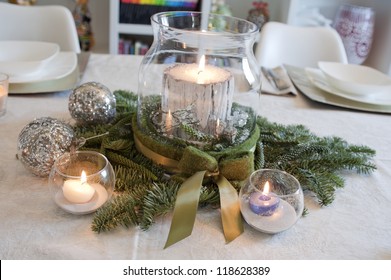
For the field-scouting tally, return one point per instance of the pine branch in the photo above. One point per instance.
(159, 200)
(127, 179)
(145, 192)
(115, 158)
(259, 158)
(121, 211)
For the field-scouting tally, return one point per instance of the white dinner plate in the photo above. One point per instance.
(60, 66)
(318, 78)
(61, 84)
(307, 88)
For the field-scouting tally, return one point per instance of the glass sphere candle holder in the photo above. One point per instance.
(81, 182)
(199, 82)
(271, 200)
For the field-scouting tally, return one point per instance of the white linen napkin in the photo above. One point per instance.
(269, 87)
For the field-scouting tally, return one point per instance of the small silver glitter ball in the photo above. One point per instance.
(92, 103)
(41, 142)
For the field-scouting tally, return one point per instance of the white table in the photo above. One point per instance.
(357, 225)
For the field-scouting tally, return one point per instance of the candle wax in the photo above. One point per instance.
(3, 99)
(77, 192)
(3, 92)
(264, 204)
(209, 74)
(201, 94)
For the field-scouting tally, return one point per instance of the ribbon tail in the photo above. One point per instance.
(230, 209)
(185, 209)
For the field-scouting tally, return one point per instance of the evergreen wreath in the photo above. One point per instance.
(143, 191)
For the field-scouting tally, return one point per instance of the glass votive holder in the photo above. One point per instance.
(4, 80)
(271, 200)
(81, 182)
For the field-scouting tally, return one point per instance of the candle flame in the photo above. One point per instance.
(266, 188)
(201, 68)
(201, 65)
(83, 178)
(168, 121)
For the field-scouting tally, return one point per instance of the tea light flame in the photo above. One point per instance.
(83, 177)
(266, 188)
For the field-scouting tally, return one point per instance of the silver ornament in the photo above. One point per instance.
(92, 103)
(41, 142)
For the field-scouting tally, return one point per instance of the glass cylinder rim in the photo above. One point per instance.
(356, 6)
(81, 152)
(154, 18)
(281, 172)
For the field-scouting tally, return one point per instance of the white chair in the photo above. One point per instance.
(280, 43)
(52, 23)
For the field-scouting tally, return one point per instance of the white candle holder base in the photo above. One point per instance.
(282, 219)
(99, 198)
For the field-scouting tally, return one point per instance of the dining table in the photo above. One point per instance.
(355, 226)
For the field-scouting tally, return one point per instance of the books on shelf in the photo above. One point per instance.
(140, 11)
(126, 46)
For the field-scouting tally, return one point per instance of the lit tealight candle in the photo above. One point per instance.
(78, 191)
(3, 99)
(264, 203)
(169, 122)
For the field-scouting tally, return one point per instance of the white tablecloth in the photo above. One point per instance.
(357, 225)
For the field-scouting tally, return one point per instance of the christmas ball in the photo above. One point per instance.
(92, 103)
(41, 142)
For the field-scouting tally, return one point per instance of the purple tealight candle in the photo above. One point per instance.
(264, 203)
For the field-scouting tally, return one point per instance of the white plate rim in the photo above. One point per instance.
(60, 66)
(324, 85)
(61, 84)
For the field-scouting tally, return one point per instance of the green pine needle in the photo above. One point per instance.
(143, 191)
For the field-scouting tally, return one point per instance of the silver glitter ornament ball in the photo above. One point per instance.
(92, 103)
(41, 142)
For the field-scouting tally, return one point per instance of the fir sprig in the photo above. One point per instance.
(143, 191)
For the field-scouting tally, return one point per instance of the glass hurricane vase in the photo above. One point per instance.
(199, 82)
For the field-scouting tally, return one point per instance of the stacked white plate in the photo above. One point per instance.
(37, 66)
(353, 82)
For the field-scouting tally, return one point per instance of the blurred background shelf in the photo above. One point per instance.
(107, 29)
(128, 20)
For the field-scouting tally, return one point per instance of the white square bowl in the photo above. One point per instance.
(21, 58)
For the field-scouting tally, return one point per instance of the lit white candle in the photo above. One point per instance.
(3, 99)
(168, 122)
(3, 91)
(78, 191)
(205, 91)
(199, 73)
